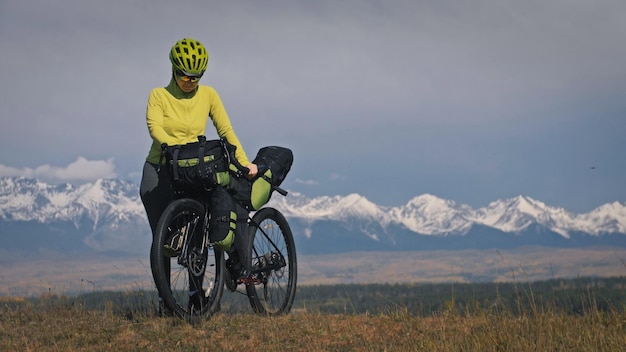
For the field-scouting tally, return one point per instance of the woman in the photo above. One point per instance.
(178, 114)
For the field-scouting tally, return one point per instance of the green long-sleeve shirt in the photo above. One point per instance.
(175, 117)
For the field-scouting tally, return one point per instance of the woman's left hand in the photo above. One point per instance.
(253, 170)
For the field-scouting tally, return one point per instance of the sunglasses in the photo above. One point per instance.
(186, 77)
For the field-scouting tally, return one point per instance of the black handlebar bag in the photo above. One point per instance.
(197, 166)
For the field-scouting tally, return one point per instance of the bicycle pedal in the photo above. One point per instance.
(249, 280)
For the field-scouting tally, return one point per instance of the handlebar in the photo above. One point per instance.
(229, 150)
(280, 190)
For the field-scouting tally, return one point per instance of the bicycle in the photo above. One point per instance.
(191, 282)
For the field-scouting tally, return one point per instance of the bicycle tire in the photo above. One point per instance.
(197, 265)
(270, 241)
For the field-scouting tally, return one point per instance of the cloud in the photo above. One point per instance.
(336, 177)
(463, 96)
(80, 170)
(306, 182)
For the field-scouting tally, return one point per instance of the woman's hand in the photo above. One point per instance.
(253, 170)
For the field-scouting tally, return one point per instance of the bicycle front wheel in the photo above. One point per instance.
(190, 277)
(272, 285)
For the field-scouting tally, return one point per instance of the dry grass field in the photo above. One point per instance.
(58, 326)
(57, 322)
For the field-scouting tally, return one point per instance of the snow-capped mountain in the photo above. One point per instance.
(429, 215)
(108, 215)
(104, 215)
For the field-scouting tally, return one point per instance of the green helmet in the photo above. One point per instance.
(189, 56)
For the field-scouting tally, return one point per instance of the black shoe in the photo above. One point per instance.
(234, 271)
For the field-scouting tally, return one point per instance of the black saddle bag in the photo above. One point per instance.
(274, 163)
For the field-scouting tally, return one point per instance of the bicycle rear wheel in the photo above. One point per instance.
(271, 287)
(190, 280)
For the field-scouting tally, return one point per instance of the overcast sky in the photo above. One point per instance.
(471, 101)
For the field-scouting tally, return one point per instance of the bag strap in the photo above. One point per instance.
(174, 155)
(163, 155)
(201, 146)
(224, 144)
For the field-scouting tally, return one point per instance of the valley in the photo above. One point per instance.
(35, 274)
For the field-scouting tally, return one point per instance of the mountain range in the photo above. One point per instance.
(107, 215)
